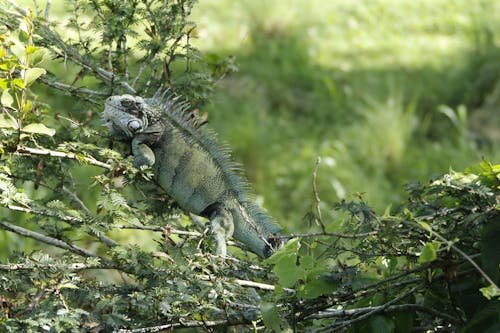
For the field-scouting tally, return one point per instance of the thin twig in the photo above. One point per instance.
(393, 308)
(180, 324)
(69, 219)
(332, 234)
(34, 265)
(263, 286)
(317, 200)
(20, 10)
(48, 240)
(71, 89)
(462, 253)
(159, 229)
(337, 326)
(364, 291)
(47, 9)
(22, 150)
(106, 240)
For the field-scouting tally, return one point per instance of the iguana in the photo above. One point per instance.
(192, 167)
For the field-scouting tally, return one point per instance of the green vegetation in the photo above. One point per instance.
(361, 84)
(386, 93)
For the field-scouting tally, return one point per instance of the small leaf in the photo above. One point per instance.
(7, 122)
(31, 49)
(425, 226)
(68, 285)
(490, 292)
(39, 129)
(382, 324)
(6, 98)
(19, 83)
(31, 74)
(271, 317)
(428, 253)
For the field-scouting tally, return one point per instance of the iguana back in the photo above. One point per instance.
(192, 167)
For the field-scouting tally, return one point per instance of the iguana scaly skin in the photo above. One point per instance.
(192, 168)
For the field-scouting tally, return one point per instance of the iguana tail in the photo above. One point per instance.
(254, 228)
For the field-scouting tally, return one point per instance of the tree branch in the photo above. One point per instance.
(393, 308)
(337, 326)
(317, 200)
(181, 324)
(69, 219)
(332, 234)
(71, 89)
(456, 249)
(49, 240)
(30, 266)
(22, 150)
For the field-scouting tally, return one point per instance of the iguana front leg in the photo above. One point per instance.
(222, 228)
(143, 154)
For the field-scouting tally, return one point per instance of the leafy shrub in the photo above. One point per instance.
(430, 264)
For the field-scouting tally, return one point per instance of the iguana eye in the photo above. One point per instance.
(127, 103)
(134, 125)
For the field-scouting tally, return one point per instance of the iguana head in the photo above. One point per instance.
(125, 116)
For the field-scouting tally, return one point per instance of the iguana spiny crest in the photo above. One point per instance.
(192, 168)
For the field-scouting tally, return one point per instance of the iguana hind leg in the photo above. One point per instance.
(222, 228)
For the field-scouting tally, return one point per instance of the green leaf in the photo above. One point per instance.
(318, 285)
(7, 122)
(39, 129)
(3, 84)
(428, 253)
(403, 322)
(31, 74)
(425, 226)
(289, 266)
(381, 324)
(490, 292)
(19, 83)
(6, 98)
(272, 318)
(31, 49)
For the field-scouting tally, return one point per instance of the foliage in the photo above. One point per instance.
(78, 219)
(359, 83)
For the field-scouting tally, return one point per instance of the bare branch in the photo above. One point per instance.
(71, 89)
(393, 308)
(180, 324)
(332, 234)
(337, 326)
(22, 150)
(69, 219)
(30, 266)
(20, 10)
(462, 253)
(48, 240)
(47, 10)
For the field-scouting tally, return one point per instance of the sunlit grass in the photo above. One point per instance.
(358, 83)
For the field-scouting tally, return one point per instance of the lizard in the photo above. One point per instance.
(192, 167)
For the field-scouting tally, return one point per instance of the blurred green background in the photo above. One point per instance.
(385, 92)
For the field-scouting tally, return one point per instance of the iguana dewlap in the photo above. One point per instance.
(192, 168)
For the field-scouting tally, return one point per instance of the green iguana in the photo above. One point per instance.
(192, 168)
